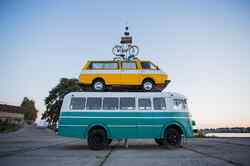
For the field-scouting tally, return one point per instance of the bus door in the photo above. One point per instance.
(144, 114)
(159, 114)
(125, 127)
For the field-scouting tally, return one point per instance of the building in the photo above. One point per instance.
(11, 114)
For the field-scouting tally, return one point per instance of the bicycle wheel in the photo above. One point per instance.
(117, 50)
(133, 51)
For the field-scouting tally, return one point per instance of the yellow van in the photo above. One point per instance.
(136, 73)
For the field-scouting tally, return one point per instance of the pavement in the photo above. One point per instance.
(36, 146)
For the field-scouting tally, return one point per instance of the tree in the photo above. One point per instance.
(30, 114)
(54, 101)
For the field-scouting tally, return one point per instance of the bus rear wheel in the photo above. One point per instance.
(172, 138)
(109, 141)
(97, 139)
(159, 141)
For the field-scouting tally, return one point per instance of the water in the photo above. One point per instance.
(228, 134)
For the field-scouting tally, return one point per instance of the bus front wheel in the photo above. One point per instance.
(172, 138)
(97, 139)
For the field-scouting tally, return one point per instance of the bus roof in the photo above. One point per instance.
(127, 94)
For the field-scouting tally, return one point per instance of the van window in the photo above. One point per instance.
(94, 103)
(148, 65)
(159, 103)
(128, 65)
(103, 65)
(110, 103)
(144, 104)
(77, 103)
(127, 103)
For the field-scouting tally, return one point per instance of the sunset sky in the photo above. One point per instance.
(203, 45)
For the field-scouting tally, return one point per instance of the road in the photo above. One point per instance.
(33, 146)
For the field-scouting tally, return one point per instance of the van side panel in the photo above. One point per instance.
(120, 77)
(111, 78)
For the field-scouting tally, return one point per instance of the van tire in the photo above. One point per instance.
(159, 141)
(97, 139)
(148, 85)
(98, 85)
(172, 138)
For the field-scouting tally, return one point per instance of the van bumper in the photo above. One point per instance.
(162, 86)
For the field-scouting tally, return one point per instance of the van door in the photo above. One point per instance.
(145, 120)
(129, 73)
(111, 73)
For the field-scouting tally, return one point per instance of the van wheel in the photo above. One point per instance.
(159, 141)
(98, 85)
(97, 139)
(148, 85)
(172, 138)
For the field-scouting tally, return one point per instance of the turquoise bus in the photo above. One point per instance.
(100, 117)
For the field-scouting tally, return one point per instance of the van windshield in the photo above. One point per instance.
(148, 65)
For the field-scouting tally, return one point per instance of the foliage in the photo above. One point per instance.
(54, 101)
(6, 126)
(31, 114)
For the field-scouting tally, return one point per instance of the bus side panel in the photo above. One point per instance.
(123, 124)
(78, 122)
(71, 127)
(69, 131)
(144, 125)
(164, 119)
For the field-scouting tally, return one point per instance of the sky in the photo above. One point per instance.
(203, 45)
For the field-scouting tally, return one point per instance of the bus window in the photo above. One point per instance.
(94, 103)
(144, 103)
(127, 103)
(77, 103)
(159, 103)
(110, 103)
(179, 104)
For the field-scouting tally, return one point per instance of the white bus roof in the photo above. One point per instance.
(127, 94)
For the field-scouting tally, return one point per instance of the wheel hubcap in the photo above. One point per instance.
(147, 85)
(172, 139)
(98, 85)
(98, 140)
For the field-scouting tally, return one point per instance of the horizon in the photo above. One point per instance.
(203, 46)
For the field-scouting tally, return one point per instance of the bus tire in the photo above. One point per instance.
(98, 85)
(172, 138)
(97, 139)
(109, 141)
(159, 141)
